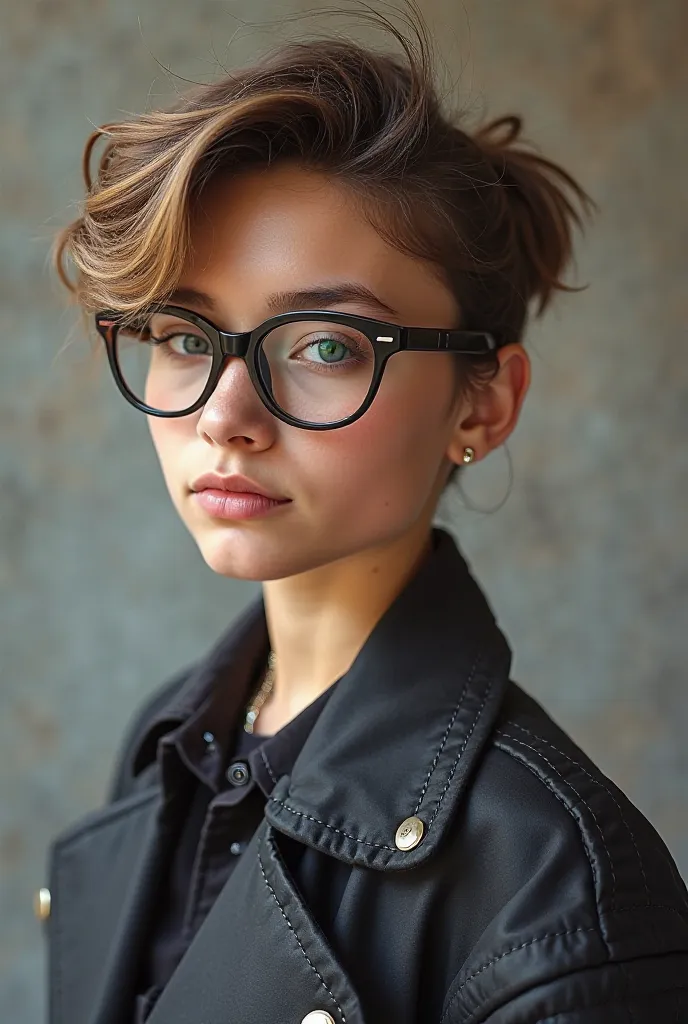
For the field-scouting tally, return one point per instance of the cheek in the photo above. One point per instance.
(391, 456)
(170, 437)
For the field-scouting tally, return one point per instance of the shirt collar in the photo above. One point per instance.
(399, 735)
(223, 679)
(206, 703)
(277, 754)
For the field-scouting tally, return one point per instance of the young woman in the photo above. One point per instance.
(316, 285)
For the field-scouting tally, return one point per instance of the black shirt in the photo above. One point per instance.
(216, 779)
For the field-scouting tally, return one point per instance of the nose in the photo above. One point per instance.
(235, 410)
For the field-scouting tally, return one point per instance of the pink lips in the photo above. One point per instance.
(236, 504)
(234, 497)
(234, 482)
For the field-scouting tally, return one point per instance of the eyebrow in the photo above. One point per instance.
(320, 297)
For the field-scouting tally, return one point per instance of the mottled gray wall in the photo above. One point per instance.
(103, 593)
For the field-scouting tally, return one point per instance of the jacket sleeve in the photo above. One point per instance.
(122, 777)
(649, 990)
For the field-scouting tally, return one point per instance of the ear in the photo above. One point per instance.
(488, 415)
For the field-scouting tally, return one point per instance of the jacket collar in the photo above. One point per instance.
(402, 731)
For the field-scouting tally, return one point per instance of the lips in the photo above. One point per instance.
(234, 484)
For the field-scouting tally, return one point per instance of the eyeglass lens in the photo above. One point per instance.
(315, 372)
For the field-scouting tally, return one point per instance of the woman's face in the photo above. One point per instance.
(353, 488)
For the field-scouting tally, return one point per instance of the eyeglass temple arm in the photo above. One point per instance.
(427, 339)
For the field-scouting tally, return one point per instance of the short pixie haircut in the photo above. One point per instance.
(494, 218)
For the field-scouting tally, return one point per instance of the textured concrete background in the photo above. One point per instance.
(103, 591)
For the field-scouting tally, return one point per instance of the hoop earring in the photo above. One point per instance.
(467, 503)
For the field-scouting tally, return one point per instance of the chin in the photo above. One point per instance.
(243, 556)
(230, 558)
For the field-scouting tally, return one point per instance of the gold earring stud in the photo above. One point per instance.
(468, 454)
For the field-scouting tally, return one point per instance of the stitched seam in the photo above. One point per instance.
(545, 782)
(384, 846)
(446, 735)
(606, 790)
(651, 906)
(508, 952)
(562, 1014)
(267, 765)
(293, 931)
(364, 842)
(463, 747)
(514, 739)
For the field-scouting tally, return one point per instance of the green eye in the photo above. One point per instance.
(331, 351)
(186, 344)
(192, 344)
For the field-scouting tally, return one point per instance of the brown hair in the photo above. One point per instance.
(493, 217)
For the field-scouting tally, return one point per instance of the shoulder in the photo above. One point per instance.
(585, 901)
(629, 864)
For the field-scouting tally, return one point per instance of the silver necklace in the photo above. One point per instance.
(264, 690)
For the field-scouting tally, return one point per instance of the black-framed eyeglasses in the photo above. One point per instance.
(311, 368)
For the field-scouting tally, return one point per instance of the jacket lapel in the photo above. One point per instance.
(102, 881)
(259, 955)
(403, 730)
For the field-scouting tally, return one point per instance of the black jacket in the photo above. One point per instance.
(537, 893)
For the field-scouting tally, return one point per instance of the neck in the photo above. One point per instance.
(319, 620)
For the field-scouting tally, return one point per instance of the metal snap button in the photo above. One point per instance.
(41, 904)
(238, 773)
(236, 849)
(409, 833)
(318, 1017)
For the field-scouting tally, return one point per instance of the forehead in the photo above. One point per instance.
(288, 228)
(266, 215)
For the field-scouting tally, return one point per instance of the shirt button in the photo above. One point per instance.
(238, 773)
(236, 849)
(409, 833)
(318, 1017)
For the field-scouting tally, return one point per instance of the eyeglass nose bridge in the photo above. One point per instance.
(234, 344)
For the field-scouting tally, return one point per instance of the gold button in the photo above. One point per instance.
(318, 1017)
(409, 833)
(41, 904)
